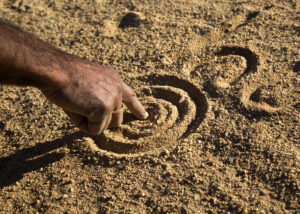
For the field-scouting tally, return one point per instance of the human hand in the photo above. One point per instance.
(86, 91)
(92, 96)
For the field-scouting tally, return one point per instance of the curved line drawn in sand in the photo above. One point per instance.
(251, 58)
(250, 103)
(176, 109)
(214, 88)
(255, 107)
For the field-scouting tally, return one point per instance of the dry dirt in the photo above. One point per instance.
(220, 79)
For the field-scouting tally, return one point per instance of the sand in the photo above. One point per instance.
(220, 80)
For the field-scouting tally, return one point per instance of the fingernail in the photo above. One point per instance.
(146, 115)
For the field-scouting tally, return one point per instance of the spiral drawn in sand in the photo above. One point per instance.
(176, 108)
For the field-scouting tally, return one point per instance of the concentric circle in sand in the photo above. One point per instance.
(176, 108)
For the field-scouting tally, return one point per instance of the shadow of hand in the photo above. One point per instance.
(13, 167)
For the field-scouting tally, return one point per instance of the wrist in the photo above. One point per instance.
(51, 70)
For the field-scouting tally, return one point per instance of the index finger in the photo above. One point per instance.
(131, 101)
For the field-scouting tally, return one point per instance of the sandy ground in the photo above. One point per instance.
(220, 79)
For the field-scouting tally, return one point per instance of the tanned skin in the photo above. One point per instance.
(86, 91)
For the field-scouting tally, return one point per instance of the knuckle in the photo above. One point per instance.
(115, 93)
(119, 86)
(104, 106)
(132, 94)
(95, 114)
(107, 106)
(115, 73)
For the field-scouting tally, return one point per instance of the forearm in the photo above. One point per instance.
(25, 60)
(88, 92)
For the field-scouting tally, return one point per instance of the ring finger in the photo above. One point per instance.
(117, 115)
